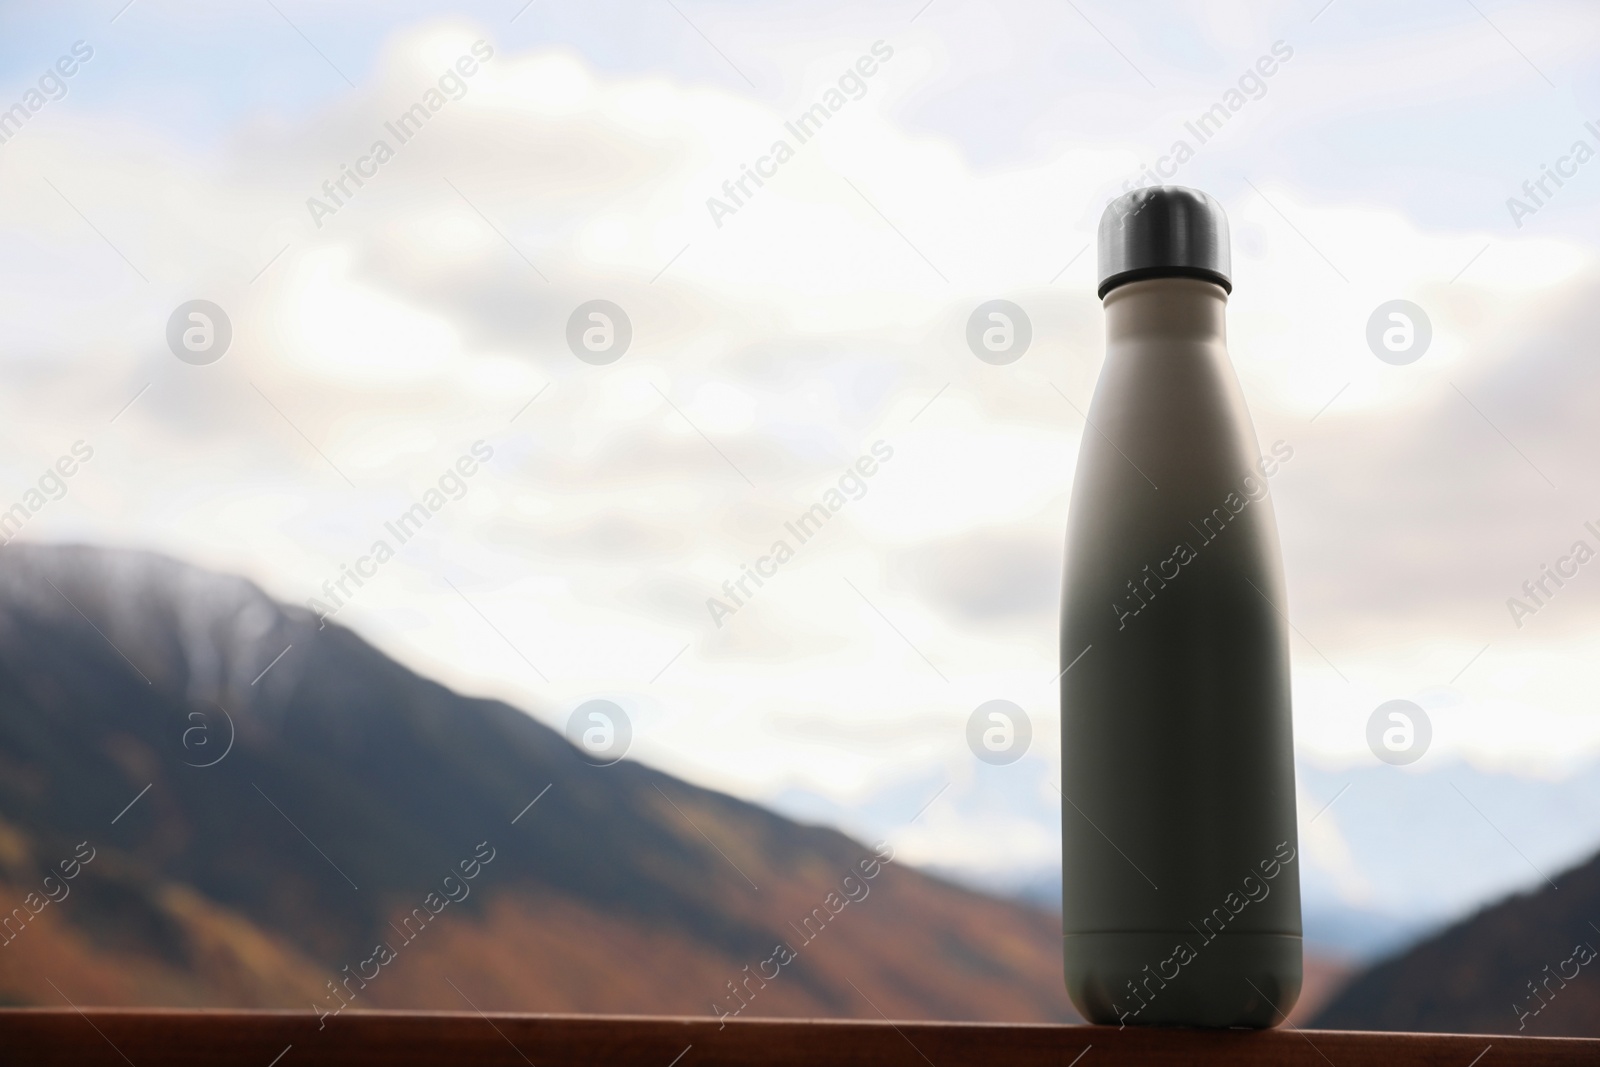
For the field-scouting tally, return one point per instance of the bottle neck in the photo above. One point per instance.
(1178, 309)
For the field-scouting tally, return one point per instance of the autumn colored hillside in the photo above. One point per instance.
(178, 828)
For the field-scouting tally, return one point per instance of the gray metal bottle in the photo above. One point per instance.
(1180, 889)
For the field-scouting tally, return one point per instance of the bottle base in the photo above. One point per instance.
(1183, 979)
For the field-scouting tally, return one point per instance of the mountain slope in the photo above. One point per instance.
(1518, 966)
(255, 836)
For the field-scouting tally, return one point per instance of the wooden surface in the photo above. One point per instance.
(116, 1037)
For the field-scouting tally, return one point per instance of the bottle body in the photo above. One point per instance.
(1180, 889)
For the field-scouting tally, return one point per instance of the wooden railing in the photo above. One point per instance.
(119, 1037)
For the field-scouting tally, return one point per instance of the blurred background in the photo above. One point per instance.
(575, 310)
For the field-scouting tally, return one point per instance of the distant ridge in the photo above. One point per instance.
(1515, 967)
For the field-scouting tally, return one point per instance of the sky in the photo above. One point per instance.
(389, 335)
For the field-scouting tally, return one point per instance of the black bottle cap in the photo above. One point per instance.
(1164, 231)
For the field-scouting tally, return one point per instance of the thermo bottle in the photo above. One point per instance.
(1180, 888)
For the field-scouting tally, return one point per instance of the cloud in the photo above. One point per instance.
(990, 577)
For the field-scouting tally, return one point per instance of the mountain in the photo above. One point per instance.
(1524, 965)
(206, 799)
